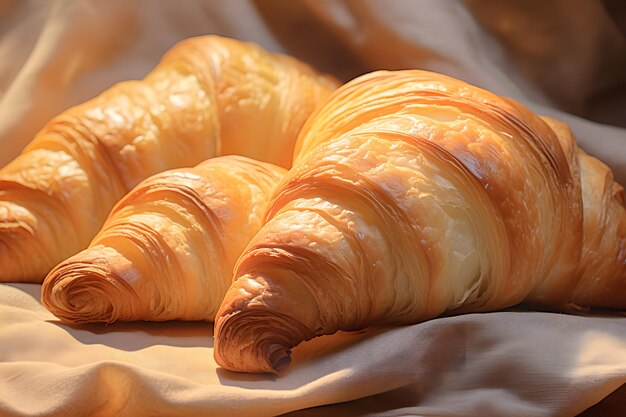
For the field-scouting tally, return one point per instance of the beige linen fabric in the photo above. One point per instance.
(497, 364)
(557, 57)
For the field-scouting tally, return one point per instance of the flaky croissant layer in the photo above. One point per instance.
(209, 96)
(412, 195)
(167, 249)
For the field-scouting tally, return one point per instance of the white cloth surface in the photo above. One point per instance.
(54, 54)
(496, 364)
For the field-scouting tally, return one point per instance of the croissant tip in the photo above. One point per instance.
(67, 298)
(280, 359)
(246, 341)
(86, 290)
(18, 236)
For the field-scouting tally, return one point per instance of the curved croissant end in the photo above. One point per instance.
(267, 336)
(209, 96)
(93, 286)
(603, 265)
(167, 250)
(602, 269)
(414, 195)
(20, 231)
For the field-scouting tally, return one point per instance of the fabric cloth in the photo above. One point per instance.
(565, 58)
(496, 364)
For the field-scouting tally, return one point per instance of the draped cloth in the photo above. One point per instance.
(565, 58)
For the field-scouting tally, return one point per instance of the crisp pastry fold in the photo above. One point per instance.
(208, 96)
(167, 250)
(414, 195)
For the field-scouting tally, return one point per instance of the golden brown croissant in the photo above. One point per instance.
(168, 248)
(209, 96)
(413, 195)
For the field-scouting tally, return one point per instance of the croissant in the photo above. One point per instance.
(167, 250)
(208, 96)
(414, 195)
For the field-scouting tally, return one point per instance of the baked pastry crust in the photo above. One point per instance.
(167, 250)
(414, 195)
(209, 96)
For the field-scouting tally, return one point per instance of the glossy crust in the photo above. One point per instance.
(168, 248)
(414, 195)
(209, 96)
